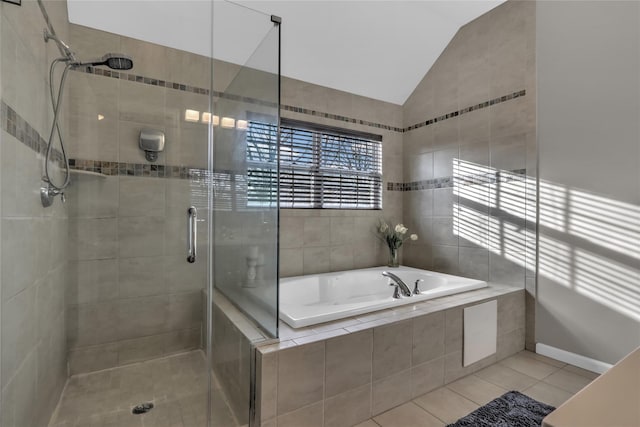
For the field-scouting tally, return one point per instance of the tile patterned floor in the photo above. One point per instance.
(539, 377)
(176, 385)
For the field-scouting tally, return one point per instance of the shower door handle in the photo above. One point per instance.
(193, 231)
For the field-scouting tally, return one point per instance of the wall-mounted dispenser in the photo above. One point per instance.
(151, 142)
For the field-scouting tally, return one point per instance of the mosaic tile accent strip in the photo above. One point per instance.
(340, 118)
(16, 126)
(232, 97)
(480, 106)
(143, 80)
(137, 169)
(292, 108)
(451, 181)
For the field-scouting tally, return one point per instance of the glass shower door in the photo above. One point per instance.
(244, 170)
(145, 287)
(245, 166)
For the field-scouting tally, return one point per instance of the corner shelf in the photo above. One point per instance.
(79, 173)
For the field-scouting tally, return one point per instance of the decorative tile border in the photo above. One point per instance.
(480, 106)
(142, 79)
(340, 118)
(16, 126)
(138, 169)
(292, 108)
(450, 181)
(249, 100)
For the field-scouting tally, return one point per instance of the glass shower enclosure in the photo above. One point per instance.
(138, 300)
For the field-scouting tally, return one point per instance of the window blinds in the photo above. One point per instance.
(320, 167)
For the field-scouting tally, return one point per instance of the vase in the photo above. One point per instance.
(393, 258)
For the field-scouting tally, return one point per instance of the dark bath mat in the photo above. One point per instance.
(512, 409)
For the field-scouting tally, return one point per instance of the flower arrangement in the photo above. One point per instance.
(394, 238)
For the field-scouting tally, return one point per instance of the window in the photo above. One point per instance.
(320, 167)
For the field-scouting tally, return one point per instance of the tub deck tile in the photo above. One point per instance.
(321, 336)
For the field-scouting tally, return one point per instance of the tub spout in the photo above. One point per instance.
(399, 285)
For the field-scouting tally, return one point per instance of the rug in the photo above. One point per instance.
(512, 409)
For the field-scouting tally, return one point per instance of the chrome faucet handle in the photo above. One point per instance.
(416, 288)
(396, 290)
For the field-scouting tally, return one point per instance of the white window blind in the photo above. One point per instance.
(320, 167)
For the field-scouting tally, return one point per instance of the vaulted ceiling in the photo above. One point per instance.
(378, 49)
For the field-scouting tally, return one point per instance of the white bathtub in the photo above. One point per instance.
(309, 300)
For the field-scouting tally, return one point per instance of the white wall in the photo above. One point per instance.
(589, 163)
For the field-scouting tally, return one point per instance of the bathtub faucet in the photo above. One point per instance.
(399, 285)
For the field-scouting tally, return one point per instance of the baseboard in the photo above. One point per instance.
(573, 358)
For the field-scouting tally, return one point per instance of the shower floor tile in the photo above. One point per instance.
(177, 386)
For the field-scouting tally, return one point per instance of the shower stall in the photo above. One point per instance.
(138, 211)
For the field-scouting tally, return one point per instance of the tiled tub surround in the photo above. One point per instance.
(483, 229)
(344, 372)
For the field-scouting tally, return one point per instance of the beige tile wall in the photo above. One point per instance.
(233, 342)
(131, 294)
(33, 258)
(232, 364)
(484, 231)
(347, 379)
(319, 241)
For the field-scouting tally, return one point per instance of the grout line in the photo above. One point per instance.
(463, 396)
(505, 367)
(433, 415)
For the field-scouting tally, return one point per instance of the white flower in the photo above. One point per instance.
(400, 228)
(383, 227)
(414, 237)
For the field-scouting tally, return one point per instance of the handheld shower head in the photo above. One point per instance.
(115, 61)
(62, 46)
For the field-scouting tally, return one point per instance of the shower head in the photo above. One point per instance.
(115, 61)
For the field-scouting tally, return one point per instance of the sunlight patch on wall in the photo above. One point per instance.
(555, 260)
(607, 282)
(508, 194)
(471, 225)
(608, 223)
(553, 206)
(496, 210)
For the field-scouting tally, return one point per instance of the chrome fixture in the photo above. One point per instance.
(400, 286)
(152, 143)
(416, 288)
(48, 194)
(192, 214)
(65, 50)
(49, 189)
